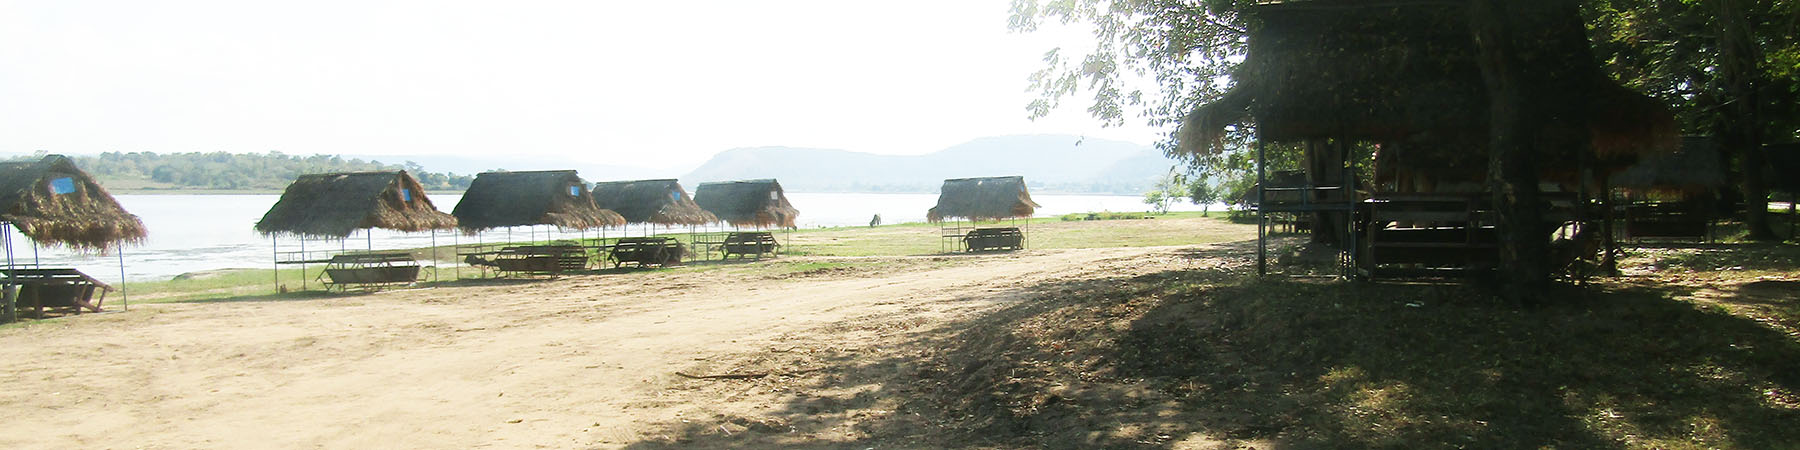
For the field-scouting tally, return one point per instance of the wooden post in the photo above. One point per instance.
(1262, 235)
(9, 302)
(1609, 264)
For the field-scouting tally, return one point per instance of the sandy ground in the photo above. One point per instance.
(577, 362)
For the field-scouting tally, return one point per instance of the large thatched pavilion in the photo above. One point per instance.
(748, 203)
(659, 202)
(54, 203)
(1407, 78)
(333, 206)
(548, 197)
(982, 200)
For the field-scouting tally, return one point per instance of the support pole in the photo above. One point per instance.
(275, 260)
(9, 297)
(1262, 260)
(123, 298)
(1609, 263)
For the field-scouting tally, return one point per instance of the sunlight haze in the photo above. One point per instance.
(632, 83)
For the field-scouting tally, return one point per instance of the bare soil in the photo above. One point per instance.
(721, 358)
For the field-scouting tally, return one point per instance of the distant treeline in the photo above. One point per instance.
(240, 171)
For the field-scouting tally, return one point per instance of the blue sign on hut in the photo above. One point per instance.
(54, 203)
(336, 205)
(990, 199)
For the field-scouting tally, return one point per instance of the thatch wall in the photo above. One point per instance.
(86, 219)
(1407, 72)
(335, 205)
(1695, 168)
(662, 202)
(505, 199)
(979, 199)
(750, 203)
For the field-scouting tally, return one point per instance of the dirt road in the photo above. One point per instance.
(577, 362)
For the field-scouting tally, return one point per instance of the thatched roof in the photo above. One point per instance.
(1405, 72)
(337, 204)
(759, 203)
(983, 199)
(549, 197)
(661, 202)
(1784, 166)
(54, 203)
(1696, 167)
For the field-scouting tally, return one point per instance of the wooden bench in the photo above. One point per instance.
(986, 239)
(550, 259)
(59, 289)
(1667, 220)
(750, 243)
(646, 251)
(370, 269)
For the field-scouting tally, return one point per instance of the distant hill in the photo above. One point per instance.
(1052, 163)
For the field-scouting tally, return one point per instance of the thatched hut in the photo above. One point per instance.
(1406, 75)
(548, 197)
(1696, 168)
(978, 199)
(334, 205)
(661, 202)
(54, 203)
(749, 203)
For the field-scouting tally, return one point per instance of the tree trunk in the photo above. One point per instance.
(1740, 127)
(1534, 110)
(1324, 167)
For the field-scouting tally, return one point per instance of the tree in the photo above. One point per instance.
(1170, 186)
(1200, 191)
(1729, 68)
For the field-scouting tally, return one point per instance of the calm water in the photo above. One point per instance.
(190, 233)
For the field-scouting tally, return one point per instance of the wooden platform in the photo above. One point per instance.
(994, 239)
(1430, 236)
(646, 251)
(58, 290)
(1667, 221)
(755, 243)
(368, 270)
(541, 259)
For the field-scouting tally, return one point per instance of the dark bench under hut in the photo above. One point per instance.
(646, 251)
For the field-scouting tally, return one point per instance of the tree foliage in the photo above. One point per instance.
(245, 171)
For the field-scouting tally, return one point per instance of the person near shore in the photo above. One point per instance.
(876, 221)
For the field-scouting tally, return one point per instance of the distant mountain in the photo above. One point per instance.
(1053, 163)
(466, 165)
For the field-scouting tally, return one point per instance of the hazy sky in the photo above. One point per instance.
(641, 83)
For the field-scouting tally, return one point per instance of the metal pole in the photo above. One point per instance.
(123, 298)
(275, 260)
(11, 291)
(302, 262)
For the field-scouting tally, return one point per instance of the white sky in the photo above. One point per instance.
(653, 84)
